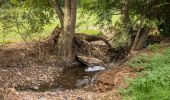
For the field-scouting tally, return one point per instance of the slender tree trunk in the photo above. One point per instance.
(125, 13)
(134, 43)
(134, 40)
(65, 41)
(59, 12)
(142, 38)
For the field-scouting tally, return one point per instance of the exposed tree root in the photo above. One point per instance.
(83, 44)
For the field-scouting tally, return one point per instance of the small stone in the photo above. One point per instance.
(28, 98)
(12, 91)
(4, 70)
(42, 98)
(79, 98)
(28, 78)
(43, 77)
(53, 93)
(17, 93)
(35, 87)
(19, 73)
(89, 97)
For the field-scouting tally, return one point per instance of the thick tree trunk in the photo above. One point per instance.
(65, 41)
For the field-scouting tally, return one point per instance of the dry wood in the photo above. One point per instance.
(90, 61)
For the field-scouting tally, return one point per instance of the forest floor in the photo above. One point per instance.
(29, 74)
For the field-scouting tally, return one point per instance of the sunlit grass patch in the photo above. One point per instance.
(91, 32)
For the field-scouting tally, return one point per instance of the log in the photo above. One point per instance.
(90, 61)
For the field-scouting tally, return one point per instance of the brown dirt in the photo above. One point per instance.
(114, 78)
(105, 88)
(24, 66)
(34, 65)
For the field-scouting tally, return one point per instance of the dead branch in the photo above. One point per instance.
(92, 38)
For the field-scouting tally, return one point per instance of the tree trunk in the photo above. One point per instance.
(59, 12)
(142, 38)
(65, 41)
(135, 40)
(125, 13)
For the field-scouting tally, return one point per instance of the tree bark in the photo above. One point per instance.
(125, 13)
(59, 12)
(134, 43)
(65, 41)
(142, 38)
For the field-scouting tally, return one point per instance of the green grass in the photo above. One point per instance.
(85, 24)
(154, 47)
(155, 85)
(91, 32)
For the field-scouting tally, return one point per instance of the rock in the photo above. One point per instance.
(52, 93)
(28, 78)
(28, 98)
(34, 87)
(43, 77)
(79, 98)
(89, 97)
(3, 70)
(12, 91)
(19, 73)
(82, 82)
(42, 98)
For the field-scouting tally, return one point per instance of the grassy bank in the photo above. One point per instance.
(154, 83)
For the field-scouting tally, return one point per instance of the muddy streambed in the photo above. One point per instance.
(70, 78)
(24, 69)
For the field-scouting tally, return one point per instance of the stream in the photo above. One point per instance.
(71, 78)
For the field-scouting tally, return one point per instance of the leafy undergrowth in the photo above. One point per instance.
(155, 82)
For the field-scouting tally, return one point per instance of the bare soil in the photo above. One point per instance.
(26, 68)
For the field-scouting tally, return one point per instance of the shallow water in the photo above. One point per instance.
(71, 78)
(75, 77)
(94, 69)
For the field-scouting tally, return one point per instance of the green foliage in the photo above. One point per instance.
(91, 32)
(10, 34)
(141, 13)
(25, 17)
(155, 85)
(34, 15)
(104, 9)
(120, 40)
